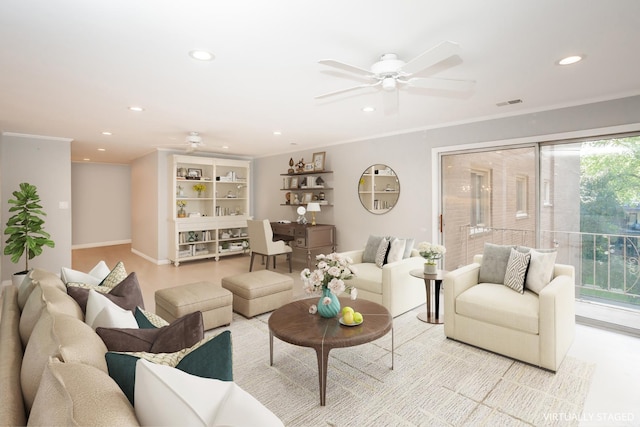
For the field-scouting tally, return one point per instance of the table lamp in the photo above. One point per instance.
(313, 207)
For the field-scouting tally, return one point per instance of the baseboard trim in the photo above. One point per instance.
(150, 259)
(613, 327)
(100, 244)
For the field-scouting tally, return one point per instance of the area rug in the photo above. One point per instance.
(435, 381)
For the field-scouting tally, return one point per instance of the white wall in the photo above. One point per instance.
(410, 156)
(148, 213)
(101, 207)
(46, 163)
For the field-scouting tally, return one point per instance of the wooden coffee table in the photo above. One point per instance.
(292, 323)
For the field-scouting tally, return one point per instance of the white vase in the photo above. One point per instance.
(430, 268)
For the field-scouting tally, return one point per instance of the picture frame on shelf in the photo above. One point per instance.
(307, 198)
(194, 173)
(318, 160)
(294, 182)
(309, 167)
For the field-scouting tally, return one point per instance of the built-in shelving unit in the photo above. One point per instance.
(210, 207)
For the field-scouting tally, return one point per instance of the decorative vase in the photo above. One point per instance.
(430, 268)
(182, 213)
(329, 310)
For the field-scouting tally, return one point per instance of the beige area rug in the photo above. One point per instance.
(435, 382)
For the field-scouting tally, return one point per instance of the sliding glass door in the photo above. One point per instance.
(580, 197)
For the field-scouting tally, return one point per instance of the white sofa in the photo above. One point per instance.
(534, 328)
(391, 286)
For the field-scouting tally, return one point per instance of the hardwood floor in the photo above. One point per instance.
(153, 277)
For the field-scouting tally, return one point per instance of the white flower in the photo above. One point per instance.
(326, 301)
(313, 309)
(354, 293)
(330, 273)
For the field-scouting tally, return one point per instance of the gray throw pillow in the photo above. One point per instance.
(381, 253)
(516, 270)
(371, 248)
(494, 263)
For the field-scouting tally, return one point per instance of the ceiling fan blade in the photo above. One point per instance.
(346, 67)
(441, 83)
(325, 95)
(431, 57)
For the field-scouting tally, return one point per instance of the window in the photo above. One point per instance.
(546, 193)
(522, 196)
(480, 197)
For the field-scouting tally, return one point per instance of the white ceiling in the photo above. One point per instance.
(71, 68)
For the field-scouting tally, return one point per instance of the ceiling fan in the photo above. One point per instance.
(193, 142)
(391, 73)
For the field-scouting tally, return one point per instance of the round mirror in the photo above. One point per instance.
(379, 189)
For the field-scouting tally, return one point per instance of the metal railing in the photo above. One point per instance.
(607, 265)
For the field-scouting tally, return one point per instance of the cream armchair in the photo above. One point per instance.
(391, 286)
(536, 329)
(261, 238)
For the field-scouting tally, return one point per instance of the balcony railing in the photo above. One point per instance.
(607, 265)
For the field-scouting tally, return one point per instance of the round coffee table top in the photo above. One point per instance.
(294, 324)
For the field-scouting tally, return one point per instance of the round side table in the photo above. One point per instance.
(431, 315)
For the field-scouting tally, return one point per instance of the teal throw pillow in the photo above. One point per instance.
(210, 358)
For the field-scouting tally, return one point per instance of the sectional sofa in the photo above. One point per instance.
(53, 371)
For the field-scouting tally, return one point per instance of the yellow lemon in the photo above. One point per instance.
(348, 318)
(357, 317)
(347, 309)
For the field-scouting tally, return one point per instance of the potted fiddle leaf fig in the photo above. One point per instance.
(25, 227)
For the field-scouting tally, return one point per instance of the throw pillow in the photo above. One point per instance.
(168, 396)
(540, 270)
(494, 263)
(147, 320)
(396, 250)
(75, 394)
(93, 277)
(115, 276)
(371, 249)
(127, 294)
(102, 312)
(381, 253)
(182, 333)
(408, 247)
(210, 358)
(516, 270)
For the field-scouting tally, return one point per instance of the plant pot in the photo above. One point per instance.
(430, 268)
(18, 278)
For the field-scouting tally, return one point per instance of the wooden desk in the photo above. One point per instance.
(306, 237)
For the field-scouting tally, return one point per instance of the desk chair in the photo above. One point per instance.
(261, 238)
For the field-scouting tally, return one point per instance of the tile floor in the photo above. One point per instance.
(614, 396)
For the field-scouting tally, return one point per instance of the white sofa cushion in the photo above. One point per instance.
(93, 277)
(369, 278)
(396, 250)
(515, 311)
(102, 312)
(169, 396)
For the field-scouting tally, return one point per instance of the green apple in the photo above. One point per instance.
(346, 309)
(357, 317)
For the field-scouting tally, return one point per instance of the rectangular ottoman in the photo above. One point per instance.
(214, 302)
(259, 291)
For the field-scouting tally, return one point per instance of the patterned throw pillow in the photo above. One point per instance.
(148, 320)
(210, 358)
(381, 253)
(117, 275)
(516, 270)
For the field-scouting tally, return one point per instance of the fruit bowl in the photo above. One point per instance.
(342, 322)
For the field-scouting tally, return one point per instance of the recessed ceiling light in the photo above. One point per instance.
(102, 149)
(225, 147)
(570, 60)
(136, 108)
(201, 55)
(277, 133)
(86, 159)
(107, 133)
(368, 109)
